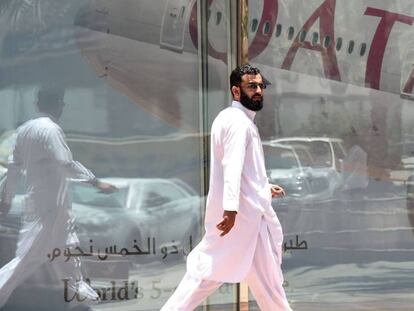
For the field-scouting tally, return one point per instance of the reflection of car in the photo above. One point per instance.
(285, 169)
(315, 164)
(166, 211)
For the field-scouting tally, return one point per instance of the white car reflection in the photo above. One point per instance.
(305, 166)
(285, 169)
(166, 212)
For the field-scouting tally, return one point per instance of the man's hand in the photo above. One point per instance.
(277, 191)
(225, 225)
(4, 208)
(106, 187)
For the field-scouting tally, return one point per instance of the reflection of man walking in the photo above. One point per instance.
(243, 239)
(42, 154)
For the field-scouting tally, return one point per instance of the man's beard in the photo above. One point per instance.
(250, 103)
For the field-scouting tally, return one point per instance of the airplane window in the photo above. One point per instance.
(278, 30)
(291, 32)
(182, 12)
(351, 46)
(302, 36)
(254, 24)
(266, 28)
(363, 49)
(218, 20)
(326, 42)
(315, 38)
(338, 43)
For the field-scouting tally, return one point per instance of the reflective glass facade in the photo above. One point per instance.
(143, 81)
(337, 132)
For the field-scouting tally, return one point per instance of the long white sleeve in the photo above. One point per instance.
(59, 151)
(235, 140)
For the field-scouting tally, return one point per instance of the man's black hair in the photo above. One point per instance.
(237, 74)
(48, 97)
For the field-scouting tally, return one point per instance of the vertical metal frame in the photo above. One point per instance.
(202, 32)
(239, 12)
(238, 44)
(242, 27)
(237, 32)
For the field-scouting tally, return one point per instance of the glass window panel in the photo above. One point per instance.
(342, 150)
(351, 46)
(291, 33)
(338, 44)
(302, 36)
(315, 38)
(326, 42)
(278, 30)
(363, 49)
(255, 23)
(266, 28)
(127, 120)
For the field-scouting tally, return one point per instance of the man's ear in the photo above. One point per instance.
(235, 90)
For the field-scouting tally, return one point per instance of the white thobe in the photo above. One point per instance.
(43, 155)
(238, 182)
(252, 250)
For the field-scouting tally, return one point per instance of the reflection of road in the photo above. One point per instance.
(156, 283)
(375, 286)
(360, 254)
(372, 287)
(348, 231)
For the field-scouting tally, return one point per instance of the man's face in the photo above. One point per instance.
(251, 92)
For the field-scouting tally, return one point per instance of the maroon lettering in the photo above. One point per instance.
(257, 45)
(409, 85)
(194, 35)
(326, 16)
(262, 39)
(379, 43)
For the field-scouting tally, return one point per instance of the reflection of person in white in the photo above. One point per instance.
(42, 154)
(243, 239)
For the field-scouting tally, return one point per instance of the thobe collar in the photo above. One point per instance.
(250, 113)
(46, 115)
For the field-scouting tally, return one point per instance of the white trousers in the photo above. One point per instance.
(264, 279)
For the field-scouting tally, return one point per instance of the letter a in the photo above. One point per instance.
(326, 15)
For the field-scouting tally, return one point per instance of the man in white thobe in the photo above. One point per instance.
(243, 239)
(42, 155)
